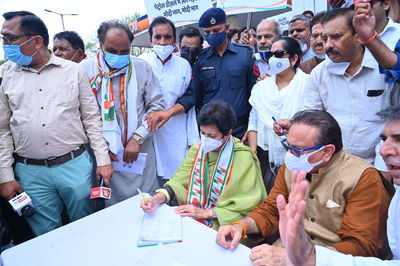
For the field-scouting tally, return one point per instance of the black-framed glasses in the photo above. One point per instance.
(297, 152)
(10, 38)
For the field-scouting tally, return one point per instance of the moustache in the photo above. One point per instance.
(392, 160)
(331, 51)
(264, 47)
(319, 45)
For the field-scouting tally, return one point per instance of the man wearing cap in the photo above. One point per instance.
(224, 71)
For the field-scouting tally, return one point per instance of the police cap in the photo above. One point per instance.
(213, 16)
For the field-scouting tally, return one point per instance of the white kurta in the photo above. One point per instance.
(172, 140)
(268, 101)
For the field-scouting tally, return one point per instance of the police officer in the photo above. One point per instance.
(224, 71)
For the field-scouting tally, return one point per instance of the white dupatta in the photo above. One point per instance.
(270, 102)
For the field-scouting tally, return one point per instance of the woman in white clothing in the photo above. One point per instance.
(278, 95)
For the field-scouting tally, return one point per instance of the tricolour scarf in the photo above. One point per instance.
(102, 82)
(198, 194)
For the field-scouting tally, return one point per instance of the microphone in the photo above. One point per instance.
(22, 204)
(100, 192)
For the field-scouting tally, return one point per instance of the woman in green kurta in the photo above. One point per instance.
(220, 179)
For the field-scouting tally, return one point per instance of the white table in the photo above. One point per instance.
(109, 238)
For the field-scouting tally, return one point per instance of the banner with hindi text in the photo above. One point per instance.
(180, 12)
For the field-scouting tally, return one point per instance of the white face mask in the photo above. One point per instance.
(337, 68)
(209, 144)
(320, 56)
(163, 51)
(303, 46)
(263, 67)
(277, 65)
(301, 163)
(71, 59)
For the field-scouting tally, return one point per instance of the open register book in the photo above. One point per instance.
(161, 226)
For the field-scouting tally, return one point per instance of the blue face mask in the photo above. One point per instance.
(117, 61)
(13, 53)
(265, 55)
(216, 39)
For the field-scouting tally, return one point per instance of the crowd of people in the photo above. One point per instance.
(285, 141)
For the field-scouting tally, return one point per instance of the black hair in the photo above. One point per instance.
(162, 20)
(107, 25)
(73, 38)
(308, 12)
(191, 32)
(329, 129)
(30, 24)
(390, 113)
(291, 46)
(231, 33)
(338, 12)
(219, 114)
(301, 17)
(319, 17)
(13, 14)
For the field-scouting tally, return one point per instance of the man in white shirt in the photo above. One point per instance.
(298, 246)
(172, 141)
(348, 83)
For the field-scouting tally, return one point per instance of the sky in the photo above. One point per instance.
(90, 13)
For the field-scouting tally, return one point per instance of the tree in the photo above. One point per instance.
(129, 18)
(92, 46)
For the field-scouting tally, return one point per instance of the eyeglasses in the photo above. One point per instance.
(278, 53)
(316, 36)
(10, 38)
(297, 152)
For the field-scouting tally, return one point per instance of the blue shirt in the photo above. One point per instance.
(229, 78)
(393, 74)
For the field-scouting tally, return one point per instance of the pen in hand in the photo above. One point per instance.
(143, 197)
(276, 123)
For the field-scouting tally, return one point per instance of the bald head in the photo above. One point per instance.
(116, 41)
(268, 32)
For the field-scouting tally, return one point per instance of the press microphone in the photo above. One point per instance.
(101, 192)
(22, 204)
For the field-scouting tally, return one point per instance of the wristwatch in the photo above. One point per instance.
(138, 138)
